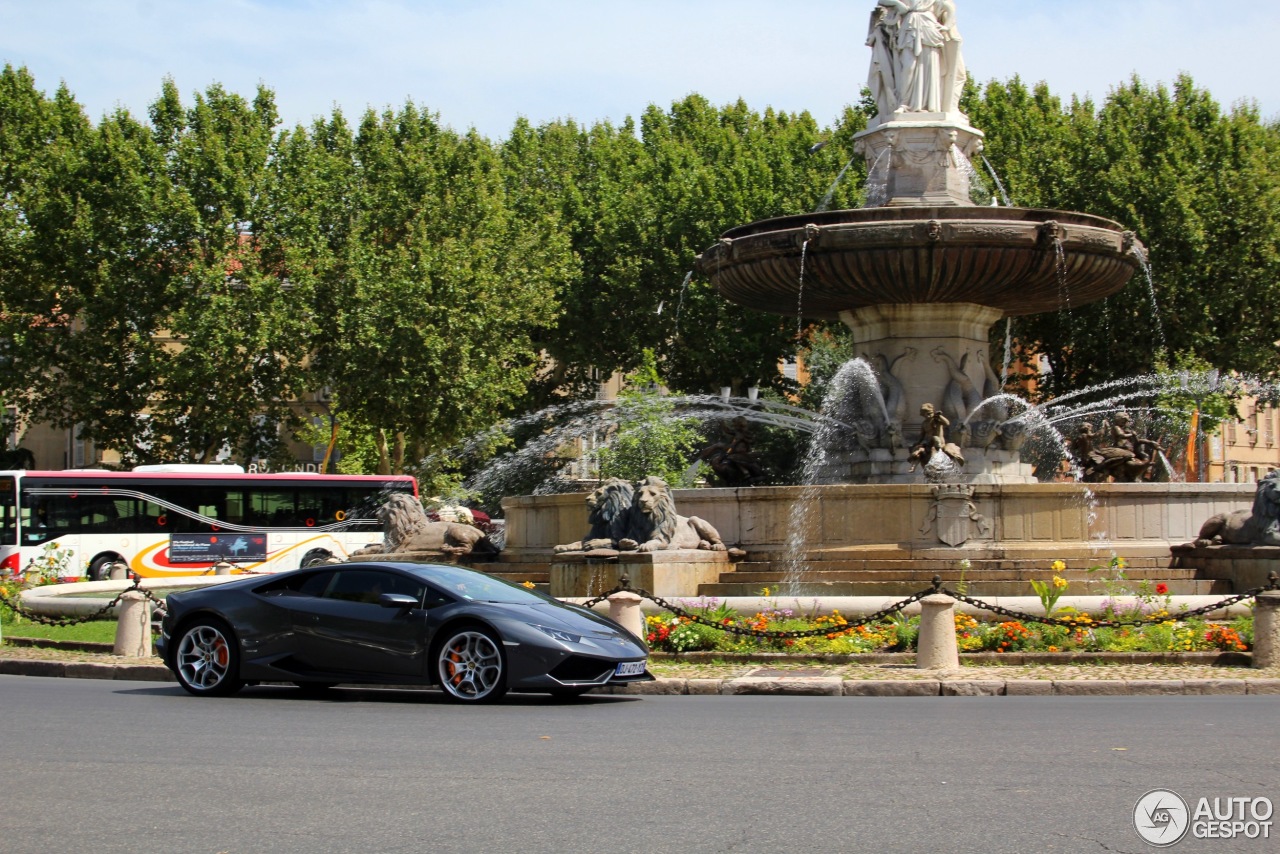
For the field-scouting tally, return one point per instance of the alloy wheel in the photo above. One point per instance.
(471, 667)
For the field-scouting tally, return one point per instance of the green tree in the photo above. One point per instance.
(429, 335)
(1199, 186)
(651, 439)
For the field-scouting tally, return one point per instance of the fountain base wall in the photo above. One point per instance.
(1002, 521)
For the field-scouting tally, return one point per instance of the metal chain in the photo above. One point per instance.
(1084, 622)
(624, 586)
(45, 620)
(1087, 622)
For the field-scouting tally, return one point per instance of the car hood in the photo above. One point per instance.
(556, 616)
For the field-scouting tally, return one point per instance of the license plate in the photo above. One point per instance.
(629, 668)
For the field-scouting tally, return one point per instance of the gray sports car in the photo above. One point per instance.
(474, 635)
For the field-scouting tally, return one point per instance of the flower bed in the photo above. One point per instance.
(668, 632)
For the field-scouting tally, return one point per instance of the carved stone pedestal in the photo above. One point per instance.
(919, 159)
(675, 572)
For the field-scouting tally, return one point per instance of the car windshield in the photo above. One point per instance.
(476, 586)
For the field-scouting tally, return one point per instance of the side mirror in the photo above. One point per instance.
(397, 600)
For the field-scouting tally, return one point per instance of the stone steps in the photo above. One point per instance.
(820, 562)
(924, 576)
(894, 587)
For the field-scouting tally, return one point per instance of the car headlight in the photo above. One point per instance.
(562, 636)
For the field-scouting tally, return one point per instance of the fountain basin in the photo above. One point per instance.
(70, 600)
(1002, 258)
(890, 539)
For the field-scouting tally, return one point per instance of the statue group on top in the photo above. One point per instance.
(916, 64)
(1126, 458)
(731, 457)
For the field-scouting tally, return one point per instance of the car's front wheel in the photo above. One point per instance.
(471, 666)
(206, 660)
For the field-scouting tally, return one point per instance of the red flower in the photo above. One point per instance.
(1162, 588)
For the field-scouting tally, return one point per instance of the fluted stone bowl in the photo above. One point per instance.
(1019, 260)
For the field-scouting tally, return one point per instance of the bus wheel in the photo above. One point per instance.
(100, 569)
(315, 557)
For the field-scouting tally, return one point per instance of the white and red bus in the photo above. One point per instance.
(181, 520)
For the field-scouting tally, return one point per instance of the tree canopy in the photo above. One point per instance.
(202, 282)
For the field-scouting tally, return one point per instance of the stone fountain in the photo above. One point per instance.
(920, 276)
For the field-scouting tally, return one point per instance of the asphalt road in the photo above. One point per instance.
(127, 767)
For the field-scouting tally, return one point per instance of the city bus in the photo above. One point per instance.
(182, 520)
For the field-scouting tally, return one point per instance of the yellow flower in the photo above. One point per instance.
(1058, 566)
(1059, 582)
(529, 585)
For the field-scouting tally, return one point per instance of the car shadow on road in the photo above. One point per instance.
(367, 694)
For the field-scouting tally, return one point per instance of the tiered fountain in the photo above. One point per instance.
(920, 278)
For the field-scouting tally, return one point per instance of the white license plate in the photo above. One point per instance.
(629, 668)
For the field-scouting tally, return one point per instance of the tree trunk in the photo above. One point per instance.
(384, 459)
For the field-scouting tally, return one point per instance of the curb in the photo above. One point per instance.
(834, 686)
(794, 686)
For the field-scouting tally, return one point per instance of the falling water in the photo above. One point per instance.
(876, 189)
(1151, 293)
(976, 184)
(826, 200)
(804, 251)
(688, 277)
(1008, 351)
(999, 184)
(1065, 316)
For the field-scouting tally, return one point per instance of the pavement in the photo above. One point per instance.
(1026, 674)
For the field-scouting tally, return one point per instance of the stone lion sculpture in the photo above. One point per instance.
(655, 525)
(609, 507)
(1258, 526)
(409, 530)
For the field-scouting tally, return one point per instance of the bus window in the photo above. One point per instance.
(40, 519)
(8, 512)
(277, 508)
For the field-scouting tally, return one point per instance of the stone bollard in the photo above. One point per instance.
(936, 646)
(624, 609)
(118, 571)
(222, 568)
(1266, 630)
(133, 631)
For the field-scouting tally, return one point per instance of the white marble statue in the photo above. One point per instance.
(916, 64)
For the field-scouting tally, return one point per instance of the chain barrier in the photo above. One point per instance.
(1087, 622)
(1082, 622)
(624, 586)
(61, 622)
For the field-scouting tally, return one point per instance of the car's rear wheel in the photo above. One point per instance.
(206, 660)
(471, 666)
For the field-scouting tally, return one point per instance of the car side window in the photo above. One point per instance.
(436, 598)
(311, 584)
(366, 585)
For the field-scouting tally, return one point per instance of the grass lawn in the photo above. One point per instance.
(99, 631)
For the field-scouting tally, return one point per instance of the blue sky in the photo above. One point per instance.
(483, 63)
